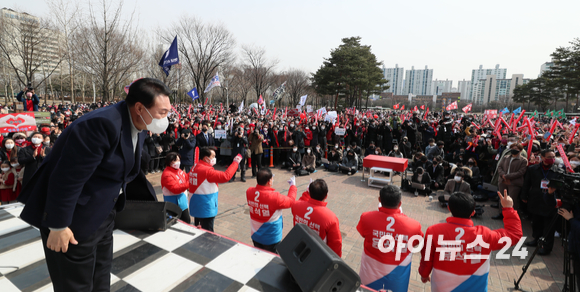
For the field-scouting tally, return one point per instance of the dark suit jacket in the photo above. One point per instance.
(78, 183)
(201, 142)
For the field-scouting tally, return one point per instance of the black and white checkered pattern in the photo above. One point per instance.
(182, 258)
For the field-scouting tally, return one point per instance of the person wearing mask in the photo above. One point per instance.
(239, 146)
(386, 270)
(186, 145)
(174, 183)
(421, 177)
(266, 207)
(536, 181)
(322, 137)
(31, 157)
(9, 150)
(371, 149)
(475, 173)
(334, 158)
(299, 136)
(256, 139)
(395, 152)
(309, 161)
(315, 132)
(406, 148)
(284, 137)
(204, 138)
(8, 184)
(457, 184)
(20, 140)
(454, 272)
(319, 154)
(511, 171)
(311, 210)
(436, 151)
(294, 158)
(430, 145)
(349, 164)
(74, 196)
(203, 187)
(436, 171)
(574, 162)
(29, 99)
(19, 170)
(153, 164)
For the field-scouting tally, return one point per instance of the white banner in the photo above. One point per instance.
(331, 116)
(303, 99)
(308, 108)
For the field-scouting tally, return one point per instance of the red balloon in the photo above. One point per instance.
(303, 116)
(376, 116)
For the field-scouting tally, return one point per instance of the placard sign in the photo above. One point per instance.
(339, 131)
(220, 134)
(17, 122)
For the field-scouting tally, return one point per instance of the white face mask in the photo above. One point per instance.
(157, 126)
(36, 141)
(176, 164)
(336, 147)
(9, 146)
(395, 148)
(308, 151)
(46, 143)
(313, 128)
(322, 128)
(219, 127)
(575, 163)
(509, 144)
(294, 149)
(213, 161)
(377, 152)
(5, 169)
(15, 164)
(457, 178)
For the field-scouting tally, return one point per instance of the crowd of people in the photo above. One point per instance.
(458, 155)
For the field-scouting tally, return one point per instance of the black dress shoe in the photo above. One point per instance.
(243, 180)
(532, 243)
(544, 252)
(494, 206)
(497, 217)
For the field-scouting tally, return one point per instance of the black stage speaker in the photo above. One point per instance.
(314, 266)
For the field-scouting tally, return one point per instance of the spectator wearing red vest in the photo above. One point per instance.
(311, 210)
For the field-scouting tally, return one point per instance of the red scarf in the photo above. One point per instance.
(29, 105)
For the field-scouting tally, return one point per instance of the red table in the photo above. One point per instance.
(396, 164)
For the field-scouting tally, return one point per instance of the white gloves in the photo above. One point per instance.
(292, 181)
(238, 158)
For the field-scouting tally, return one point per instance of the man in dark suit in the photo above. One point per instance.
(75, 194)
(436, 171)
(204, 138)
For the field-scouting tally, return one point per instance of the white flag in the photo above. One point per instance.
(303, 99)
(241, 107)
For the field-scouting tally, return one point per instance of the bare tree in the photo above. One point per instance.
(296, 85)
(108, 47)
(28, 43)
(65, 14)
(203, 49)
(260, 68)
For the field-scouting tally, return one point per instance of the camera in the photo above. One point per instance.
(568, 187)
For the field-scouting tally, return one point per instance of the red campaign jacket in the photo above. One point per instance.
(449, 274)
(375, 224)
(174, 181)
(266, 198)
(319, 218)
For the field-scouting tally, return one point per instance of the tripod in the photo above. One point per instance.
(569, 280)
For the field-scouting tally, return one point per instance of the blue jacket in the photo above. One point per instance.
(186, 148)
(78, 183)
(35, 100)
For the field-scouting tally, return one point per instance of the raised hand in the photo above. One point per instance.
(506, 200)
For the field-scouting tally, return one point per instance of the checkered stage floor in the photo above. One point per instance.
(182, 258)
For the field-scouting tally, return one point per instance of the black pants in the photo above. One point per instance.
(185, 168)
(270, 248)
(540, 225)
(185, 217)
(256, 163)
(85, 266)
(206, 223)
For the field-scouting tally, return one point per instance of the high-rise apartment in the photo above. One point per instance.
(495, 89)
(480, 74)
(463, 88)
(418, 82)
(440, 86)
(395, 77)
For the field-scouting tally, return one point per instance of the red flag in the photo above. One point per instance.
(396, 106)
(422, 107)
(274, 115)
(415, 109)
(452, 106)
(427, 112)
(286, 113)
(205, 101)
(403, 107)
(260, 100)
(467, 108)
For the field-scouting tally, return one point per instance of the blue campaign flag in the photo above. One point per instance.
(215, 81)
(170, 57)
(505, 111)
(518, 110)
(193, 94)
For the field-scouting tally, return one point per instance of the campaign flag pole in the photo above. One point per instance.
(170, 57)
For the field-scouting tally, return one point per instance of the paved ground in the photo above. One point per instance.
(349, 197)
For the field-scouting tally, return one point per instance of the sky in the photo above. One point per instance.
(451, 37)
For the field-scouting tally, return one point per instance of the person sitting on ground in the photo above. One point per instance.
(395, 152)
(334, 157)
(349, 163)
(309, 161)
(457, 184)
(421, 177)
(294, 158)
